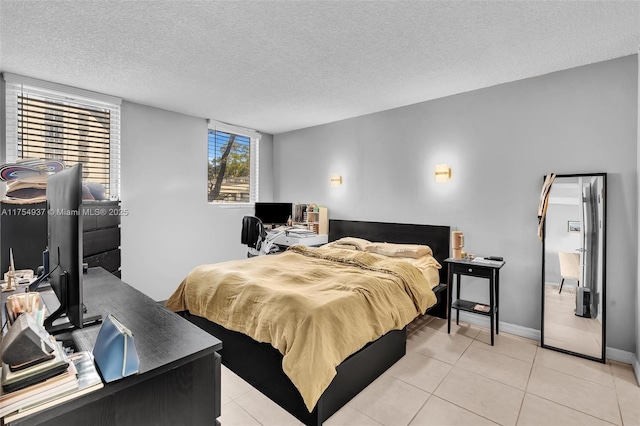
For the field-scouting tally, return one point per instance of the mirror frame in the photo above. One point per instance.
(604, 273)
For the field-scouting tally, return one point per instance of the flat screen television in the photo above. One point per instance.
(64, 205)
(273, 213)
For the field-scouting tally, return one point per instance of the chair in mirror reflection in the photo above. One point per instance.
(573, 317)
(569, 268)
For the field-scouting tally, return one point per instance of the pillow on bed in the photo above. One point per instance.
(399, 250)
(351, 243)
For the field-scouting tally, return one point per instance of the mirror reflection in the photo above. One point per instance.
(574, 266)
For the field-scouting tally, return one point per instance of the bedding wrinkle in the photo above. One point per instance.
(315, 306)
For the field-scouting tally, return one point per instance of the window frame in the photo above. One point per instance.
(17, 84)
(254, 162)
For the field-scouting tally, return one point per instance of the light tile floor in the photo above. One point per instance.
(459, 379)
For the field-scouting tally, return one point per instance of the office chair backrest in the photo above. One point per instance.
(253, 232)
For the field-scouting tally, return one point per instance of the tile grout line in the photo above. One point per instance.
(526, 388)
(243, 409)
(579, 377)
(471, 372)
(421, 407)
(615, 386)
(565, 406)
(576, 410)
(524, 392)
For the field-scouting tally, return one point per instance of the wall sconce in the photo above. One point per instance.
(443, 173)
(336, 180)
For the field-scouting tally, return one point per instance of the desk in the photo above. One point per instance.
(179, 379)
(313, 240)
(490, 271)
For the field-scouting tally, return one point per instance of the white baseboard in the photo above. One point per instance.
(636, 368)
(483, 321)
(621, 356)
(533, 334)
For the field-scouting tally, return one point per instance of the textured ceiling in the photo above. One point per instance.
(280, 66)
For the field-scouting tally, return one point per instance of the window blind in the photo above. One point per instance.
(46, 120)
(72, 133)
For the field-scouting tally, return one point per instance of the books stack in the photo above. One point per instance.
(78, 378)
(37, 373)
(481, 308)
(35, 393)
(299, 213)
(34, 370)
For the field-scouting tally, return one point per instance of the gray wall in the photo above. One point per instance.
(170, 228)
(499, 141)
(637, 316)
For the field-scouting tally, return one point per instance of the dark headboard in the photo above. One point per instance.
(436, 237)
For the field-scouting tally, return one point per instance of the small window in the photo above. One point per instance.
(51, 121)
(232, 166)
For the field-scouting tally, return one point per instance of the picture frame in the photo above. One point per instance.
(573, 226)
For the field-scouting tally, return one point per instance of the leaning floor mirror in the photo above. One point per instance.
(574, 266)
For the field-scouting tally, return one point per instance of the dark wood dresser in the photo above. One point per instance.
(23, 228)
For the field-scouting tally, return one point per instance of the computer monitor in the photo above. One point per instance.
(273, 213)
(64, 205)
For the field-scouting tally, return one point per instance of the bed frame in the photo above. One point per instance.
(260, 364)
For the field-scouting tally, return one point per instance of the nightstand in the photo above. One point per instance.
(480, 269)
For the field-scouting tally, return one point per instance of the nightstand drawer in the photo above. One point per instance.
(472, 270)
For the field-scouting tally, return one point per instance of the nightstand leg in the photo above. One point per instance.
(497, 274)
(449, 296)
(492, 305)
(458, 297)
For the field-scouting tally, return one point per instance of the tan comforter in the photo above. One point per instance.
(316, 306)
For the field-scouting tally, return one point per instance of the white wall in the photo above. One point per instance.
(170, 228)
(500, 141)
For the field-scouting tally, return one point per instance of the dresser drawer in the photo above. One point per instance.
(472, 270)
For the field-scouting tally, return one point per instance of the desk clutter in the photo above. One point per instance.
(279, 225)
(38, 372)
(312, 217)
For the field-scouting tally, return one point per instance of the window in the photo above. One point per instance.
(50, 121)
(232, 165)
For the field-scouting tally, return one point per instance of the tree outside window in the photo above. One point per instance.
(229, 174)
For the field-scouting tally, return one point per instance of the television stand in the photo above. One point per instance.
(56, 324)
(55, 329)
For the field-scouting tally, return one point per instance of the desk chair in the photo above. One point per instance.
(253, 235)
(569, 268)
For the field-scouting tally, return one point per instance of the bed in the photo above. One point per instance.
(261, 365)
